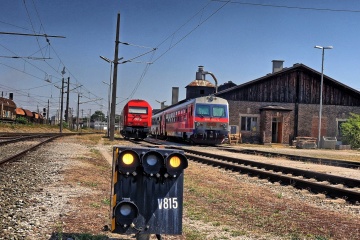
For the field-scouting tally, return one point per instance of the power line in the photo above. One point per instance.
(192, 30)
(32, 35)
(289, 7)
(172, 46)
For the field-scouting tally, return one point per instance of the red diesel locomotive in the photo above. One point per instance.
(136, 119)
(202, 120)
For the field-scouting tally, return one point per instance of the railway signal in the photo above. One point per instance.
(147, 190)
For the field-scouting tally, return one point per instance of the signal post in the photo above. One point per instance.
(147, 191)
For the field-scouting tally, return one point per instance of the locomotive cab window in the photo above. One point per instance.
(219, 111)
(138, 110)
(202, 110)
(211, 110)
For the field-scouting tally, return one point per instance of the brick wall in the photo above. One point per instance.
(308, 119)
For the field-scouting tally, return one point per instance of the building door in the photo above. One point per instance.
(276, 130)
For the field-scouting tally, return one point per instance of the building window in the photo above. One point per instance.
(249, 123)
(339, 122)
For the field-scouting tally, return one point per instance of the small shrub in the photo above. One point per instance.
(21, 120)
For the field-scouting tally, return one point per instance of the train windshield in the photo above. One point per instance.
(210, 110)
(138, 110)
(219, 111)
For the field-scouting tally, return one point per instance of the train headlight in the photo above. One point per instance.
(125, 211)
(152, 162)
(128, 161)
(175, 163)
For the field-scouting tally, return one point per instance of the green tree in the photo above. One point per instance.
(351, 130)
(98, 116)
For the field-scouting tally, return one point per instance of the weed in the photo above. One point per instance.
(90, 184)
(216, 224)
(95, 205)
(237, 233)
(106, 201)
(320, 238)
(192, 234)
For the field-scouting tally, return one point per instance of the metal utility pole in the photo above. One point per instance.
(47, 112)
(67, 102)
(113, 99)
(89, 120)
(321, 90)
(62, 105)
(77, 114)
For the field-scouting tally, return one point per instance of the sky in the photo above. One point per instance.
(167, 41)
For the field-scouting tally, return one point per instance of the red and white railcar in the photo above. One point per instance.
(136, 119)
(202, 120)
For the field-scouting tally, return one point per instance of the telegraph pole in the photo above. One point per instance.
(47, 112)
(62, 105)
(77, 113)
(67, 102)
(113, 99)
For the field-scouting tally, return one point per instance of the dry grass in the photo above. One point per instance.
(222, 199)
(217, 205)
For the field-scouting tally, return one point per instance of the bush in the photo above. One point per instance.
(21, 120)
(351, 130)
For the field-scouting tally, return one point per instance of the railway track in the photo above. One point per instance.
(18, 154)
(330, 185)
(324, 161)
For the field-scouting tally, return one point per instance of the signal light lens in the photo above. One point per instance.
(128, 158)
(152, 162)
(125, 211)
(128, 161)
(175, 161)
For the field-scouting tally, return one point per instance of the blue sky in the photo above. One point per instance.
(236, 41)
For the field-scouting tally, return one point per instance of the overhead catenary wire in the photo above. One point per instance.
(172, 46)
(288, 7)
(49, 46)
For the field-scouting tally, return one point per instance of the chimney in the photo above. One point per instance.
(200, 73)
(11, 96)
(277, 65)
(175, 95)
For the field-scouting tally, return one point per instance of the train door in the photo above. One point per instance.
(161, 124)
(276, 130)
(190, 121)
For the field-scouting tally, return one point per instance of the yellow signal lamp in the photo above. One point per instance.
(175, 163)
(128, 161)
